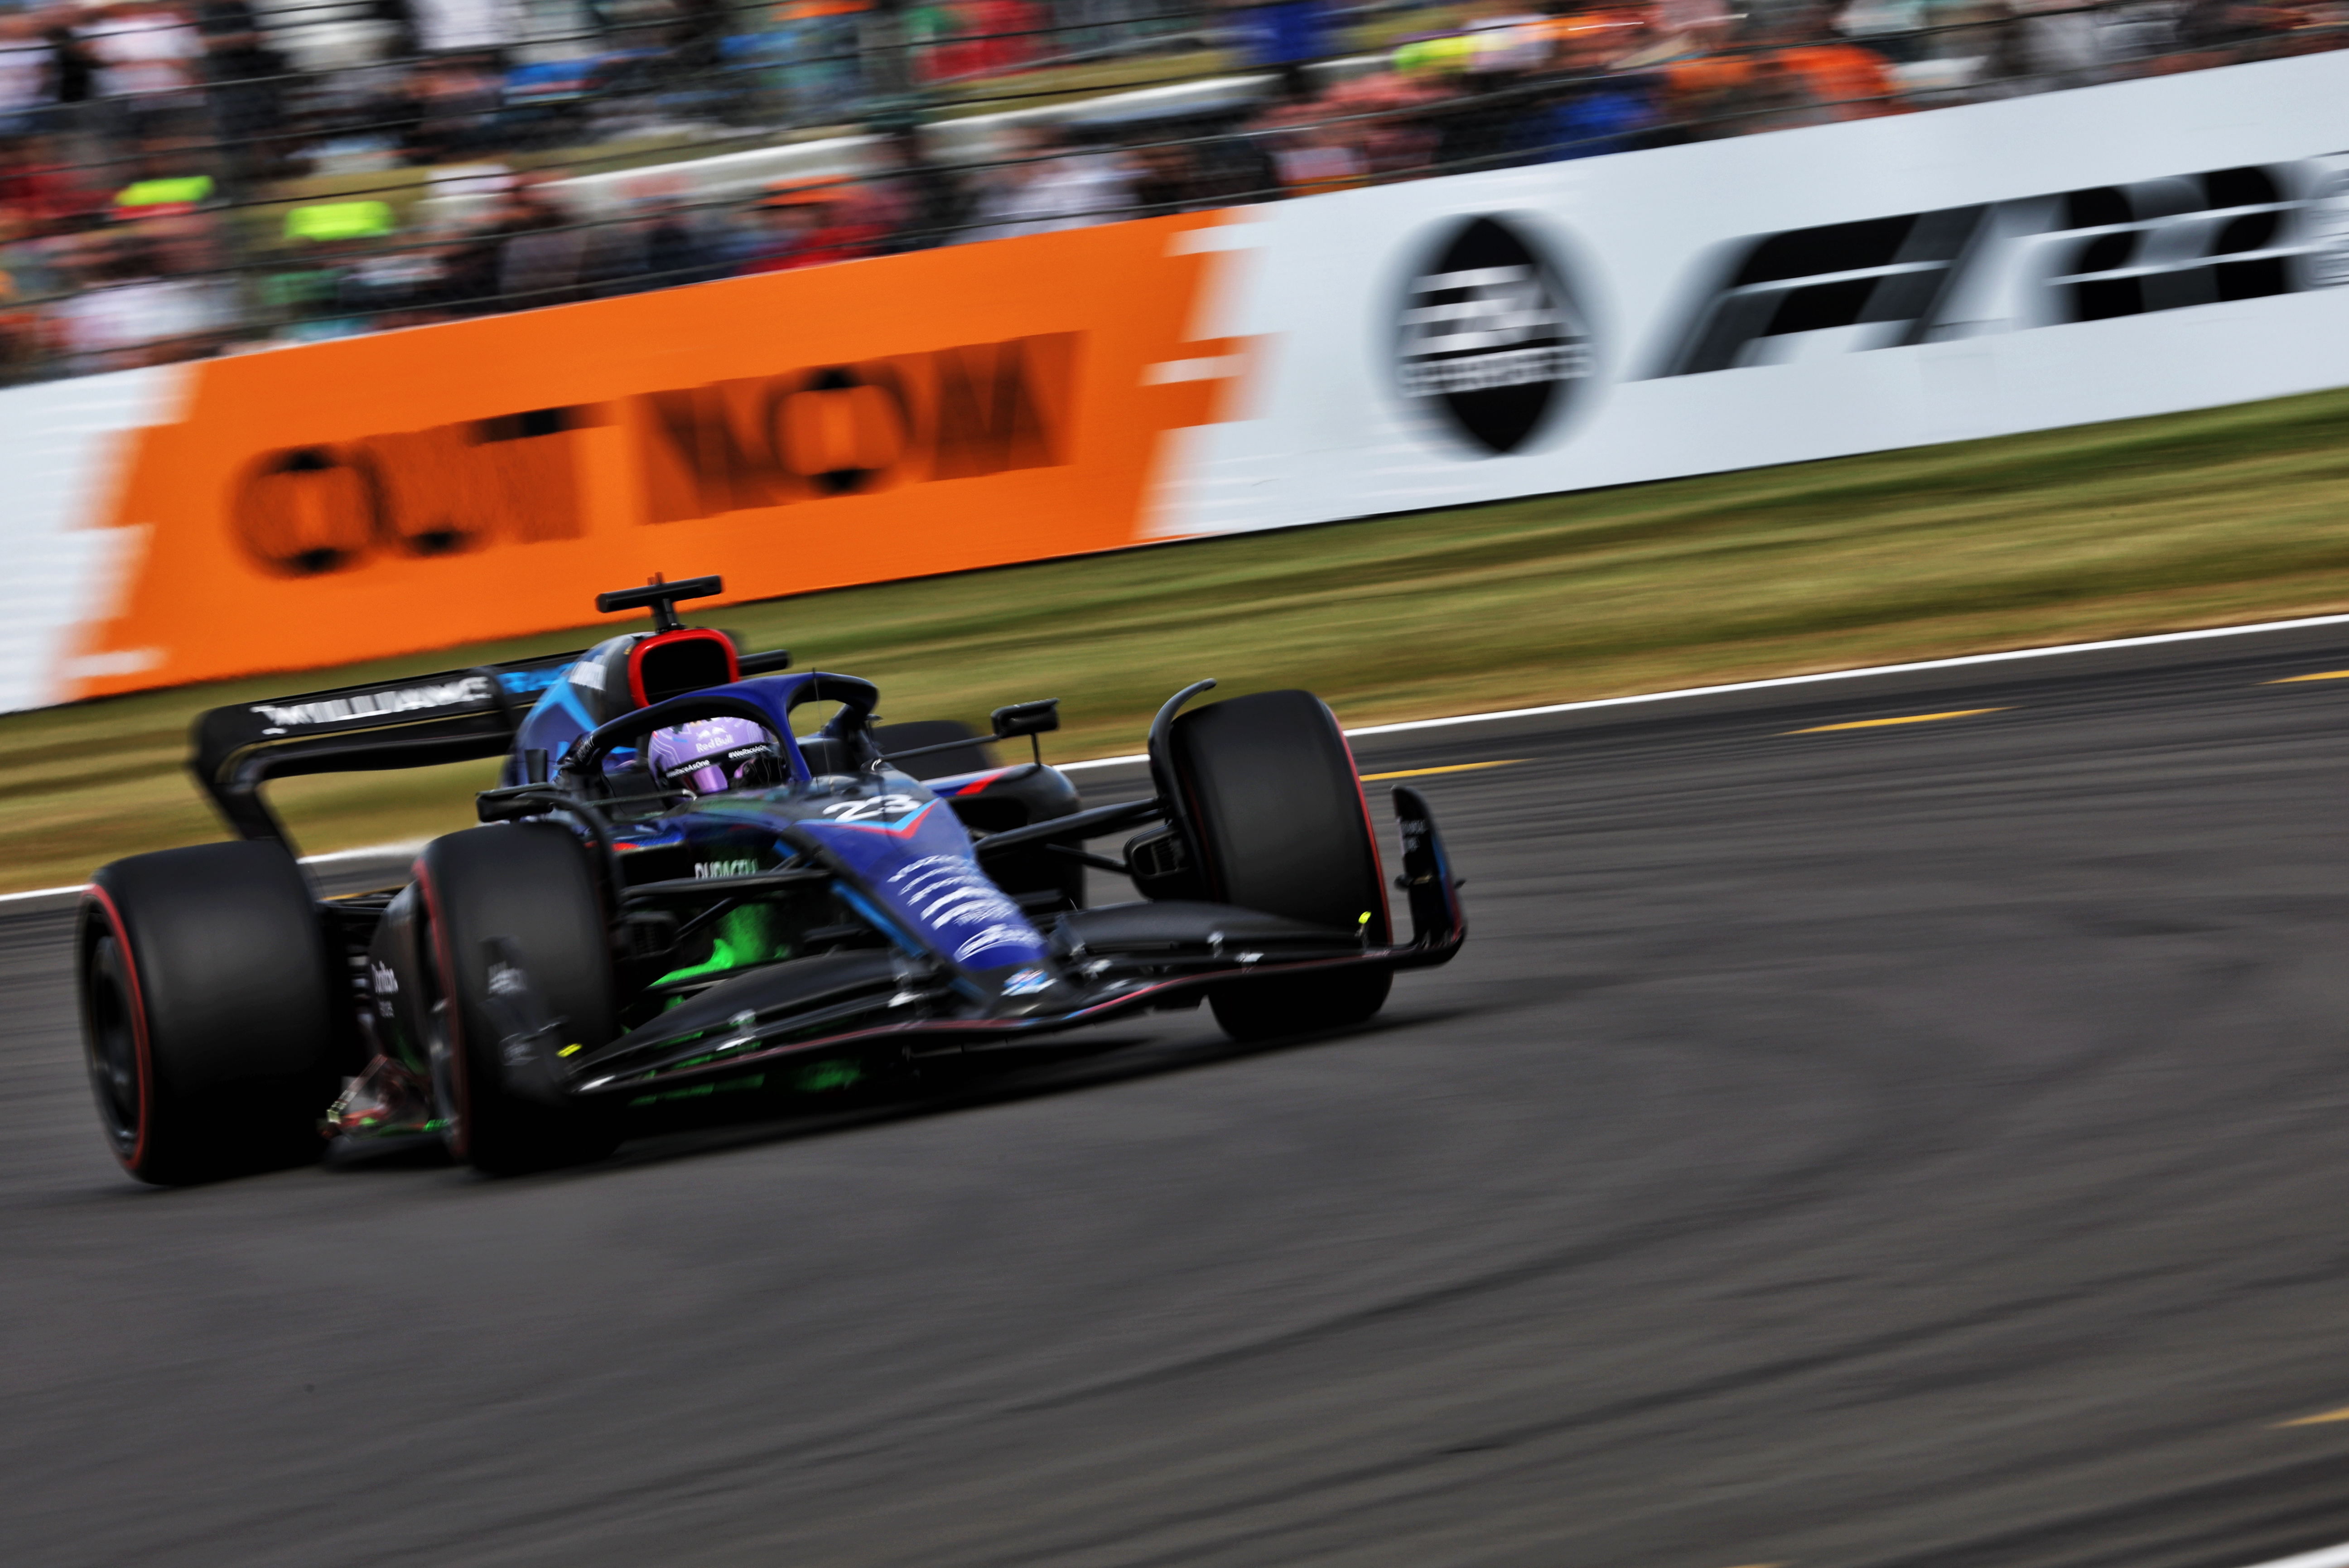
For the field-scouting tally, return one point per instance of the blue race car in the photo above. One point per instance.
(683, 886)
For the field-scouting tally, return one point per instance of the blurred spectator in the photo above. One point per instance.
(852, 220)
(976, 38)
(659, 243)
(929, 202)
(930, 29)
(43, 186)
(483, 267)
(1793, 72)
(448, 26)
(1773, 96)
(1888, 27)
(823, 39)
(1287, 36)
(165, 176)
(2054, 44)
(775, 232)
(696, 35)
(2220, 30)
(678, 250)
(129, 315)
(813, 223)
(1312, 149)
(144, 56)
(1011, 36)
(456, 109)
(28, 75)
(1375, 127)
(1595, 113)
(1846, 79)
(22, 278)
(543, 263)
(1166, 180)
(245, 84)
(1050, 185)
(302, 294)
(139, 139)
(70, 62)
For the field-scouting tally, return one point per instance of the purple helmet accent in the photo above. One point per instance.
(707, 755)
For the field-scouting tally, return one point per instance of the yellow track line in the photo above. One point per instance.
(2319, 675)
(2317, 1421)
(1454, 768)
(1905, 719)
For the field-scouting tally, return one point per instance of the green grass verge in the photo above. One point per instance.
(2158, 525)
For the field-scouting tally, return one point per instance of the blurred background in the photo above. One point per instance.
(1849, 1140)
(187, 178)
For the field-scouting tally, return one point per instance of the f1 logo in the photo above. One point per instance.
(2006, 266)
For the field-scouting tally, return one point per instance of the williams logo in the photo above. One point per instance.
(380, 704)
(1490, 340)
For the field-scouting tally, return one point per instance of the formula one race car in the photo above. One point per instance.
(675, 894)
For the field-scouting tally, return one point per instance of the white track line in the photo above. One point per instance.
(2330, 1557)
(1776, 683)
(2338, 1557)
(372, 852)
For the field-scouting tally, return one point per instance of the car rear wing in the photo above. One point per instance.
(458, 715)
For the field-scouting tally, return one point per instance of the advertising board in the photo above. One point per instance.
(2099, 253)
(306, 506)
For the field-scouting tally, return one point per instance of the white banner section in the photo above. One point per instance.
(61, 448)
(2100, 254)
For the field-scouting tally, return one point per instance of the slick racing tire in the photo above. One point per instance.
(208, 1012)
(1269, 786)
(531, 887)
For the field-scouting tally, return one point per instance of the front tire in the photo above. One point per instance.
(207, 1007)
(530, 886)
(1269, 786)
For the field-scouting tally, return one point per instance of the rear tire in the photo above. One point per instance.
(1269, 785)
(207, 1007)
(533, 886)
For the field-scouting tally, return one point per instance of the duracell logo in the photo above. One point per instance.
(805, 435)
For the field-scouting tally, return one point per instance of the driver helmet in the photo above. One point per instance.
(711, 755)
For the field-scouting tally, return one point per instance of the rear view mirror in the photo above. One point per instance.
(1038, 718)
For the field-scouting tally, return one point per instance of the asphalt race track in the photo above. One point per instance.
(1911, 1146)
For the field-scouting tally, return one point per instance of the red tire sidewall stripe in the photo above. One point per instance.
(460, 1069)
(145, 1050)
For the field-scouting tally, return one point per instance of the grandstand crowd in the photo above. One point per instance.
(181, 178)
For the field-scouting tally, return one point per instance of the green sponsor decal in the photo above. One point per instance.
(741, 937)
(702, 1091)
(820, 1076)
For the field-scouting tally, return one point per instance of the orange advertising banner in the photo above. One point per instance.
(901, 416)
